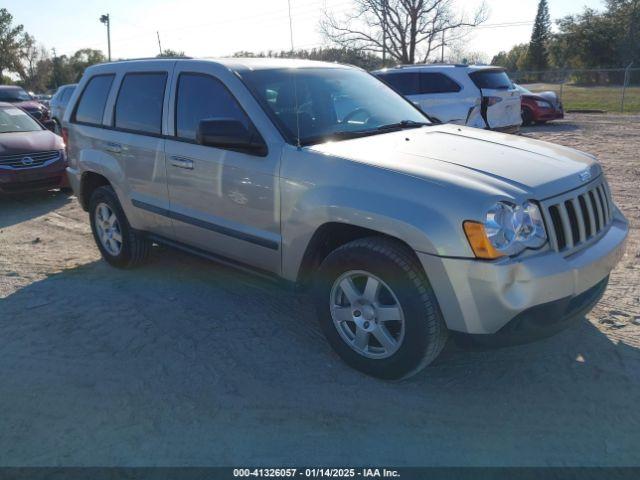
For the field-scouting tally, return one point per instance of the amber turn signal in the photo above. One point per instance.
(479, 241)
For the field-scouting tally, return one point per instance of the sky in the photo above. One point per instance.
(209, 28)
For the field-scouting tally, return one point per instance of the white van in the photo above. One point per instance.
(476, 96)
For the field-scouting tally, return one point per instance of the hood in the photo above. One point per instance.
(463, 154)
(29, 142)
(549, 96)
(29, 105)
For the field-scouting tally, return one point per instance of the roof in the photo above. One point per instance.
(11, 87)
(239, 63)
(438, 66)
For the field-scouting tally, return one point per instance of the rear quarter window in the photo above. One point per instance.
(491, 79)
(140, 101)
(90, 108)
(434, 82)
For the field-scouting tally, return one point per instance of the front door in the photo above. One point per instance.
(222, 201)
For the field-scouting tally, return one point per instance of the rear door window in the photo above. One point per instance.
(66, 95)
(203, 97)
(434, 82)
(492, 79)
(139, 104)
(93, 100)
(405, 83)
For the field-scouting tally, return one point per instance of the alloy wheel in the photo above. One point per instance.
(108, 229)
(367, 314)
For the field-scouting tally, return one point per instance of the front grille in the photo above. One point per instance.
(576, 218)
(28, 160)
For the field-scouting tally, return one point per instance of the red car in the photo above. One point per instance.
(539, 107)
(20, 98)
(31, 157)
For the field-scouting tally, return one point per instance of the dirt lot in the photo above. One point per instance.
(183, 362)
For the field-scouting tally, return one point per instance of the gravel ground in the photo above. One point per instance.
(184, 362)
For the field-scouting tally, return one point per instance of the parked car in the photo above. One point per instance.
(540, 107)
(476, 96)
(403, 230)
(58, 104)
(31, 157)
(43, 98)
(20, 98)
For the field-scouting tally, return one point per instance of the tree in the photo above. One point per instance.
(36, 69)
(168, 53)
(538, 47)
(513, 60)
(365, 60)
(11, 44)
(409, 31)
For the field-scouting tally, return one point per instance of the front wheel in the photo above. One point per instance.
(377, 309)
(527, 117)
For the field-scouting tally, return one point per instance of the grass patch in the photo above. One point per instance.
(593, 98)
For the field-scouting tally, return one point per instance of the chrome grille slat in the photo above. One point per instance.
(603, 203)
(600, 219)
(581, 226)
(15, 161)
(578, 217)
(566, 225)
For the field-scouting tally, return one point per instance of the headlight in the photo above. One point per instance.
(542, 104)
(507, 230)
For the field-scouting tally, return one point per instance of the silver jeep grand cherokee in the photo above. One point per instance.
(321, 175)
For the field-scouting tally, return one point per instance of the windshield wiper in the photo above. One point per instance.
(403, 124)
(346, 135)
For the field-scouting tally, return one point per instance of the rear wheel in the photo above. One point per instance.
(119, 244)
(527, 117)
(377, 309)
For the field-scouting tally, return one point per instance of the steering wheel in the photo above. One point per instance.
(355, 112)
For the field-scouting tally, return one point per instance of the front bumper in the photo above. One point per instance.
(33, 179)
(480, 297)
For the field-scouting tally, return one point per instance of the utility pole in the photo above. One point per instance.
(442, 54)
(159, 44)
(55, 68)
(107, 21)
(384, 33)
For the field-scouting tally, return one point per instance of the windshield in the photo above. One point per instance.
(330, 103)
(492, 79)
(14, 95)
(15, 120)
(523, 90)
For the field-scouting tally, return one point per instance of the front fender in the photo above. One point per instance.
(420, 227)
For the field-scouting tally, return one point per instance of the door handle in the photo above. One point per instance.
(113, 147)
(181, 162)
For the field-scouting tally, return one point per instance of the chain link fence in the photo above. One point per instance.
(604, 89)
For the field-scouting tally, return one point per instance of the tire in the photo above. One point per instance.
(419, 336)
(133, 249)
(527, 117)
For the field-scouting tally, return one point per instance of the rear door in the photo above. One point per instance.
(448, 100)
(437, 94)
(135, 139)
(221, 201)
(501, 96)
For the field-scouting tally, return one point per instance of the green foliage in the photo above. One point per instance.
(168, 53)
(351, 56)
(513, 60)
(11, 44)
(538, 55)
(590, 39)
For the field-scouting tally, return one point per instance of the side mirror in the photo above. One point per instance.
(50, 125)
(230, 134)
